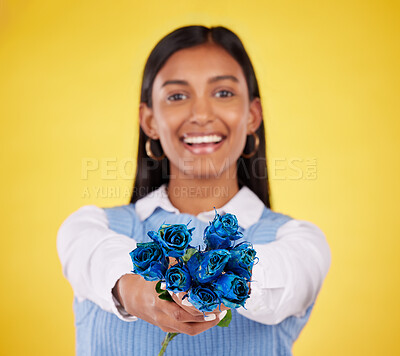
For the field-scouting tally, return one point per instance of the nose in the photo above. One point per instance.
(202, 112)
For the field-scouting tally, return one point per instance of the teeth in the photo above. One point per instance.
(202, 139)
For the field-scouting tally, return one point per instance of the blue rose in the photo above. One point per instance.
(241, 260)
(173, 239)
(204, 298)
(225, 225)
(207, 266)
(233, 290)
(149, 261)
(215, 241)
(221, 231)
(177, 278)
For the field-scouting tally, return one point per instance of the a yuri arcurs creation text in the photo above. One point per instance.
(220, 274)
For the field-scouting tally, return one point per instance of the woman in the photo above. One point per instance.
(201, 145)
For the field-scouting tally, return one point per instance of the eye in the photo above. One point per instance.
(223, 94)
(176, 97)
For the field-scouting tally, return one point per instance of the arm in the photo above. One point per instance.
(96, 262)
(289, 273)
(93, 257)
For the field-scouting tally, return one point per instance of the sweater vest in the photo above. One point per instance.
(99, 332)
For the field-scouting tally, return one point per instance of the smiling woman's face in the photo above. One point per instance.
(201, 111)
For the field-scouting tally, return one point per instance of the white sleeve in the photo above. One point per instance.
(289, 273)
(93, 257)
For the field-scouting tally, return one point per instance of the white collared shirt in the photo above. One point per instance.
(286, 280)
(246, 205)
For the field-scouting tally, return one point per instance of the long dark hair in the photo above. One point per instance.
(151, 174)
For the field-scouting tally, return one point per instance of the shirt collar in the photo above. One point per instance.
(246, 205)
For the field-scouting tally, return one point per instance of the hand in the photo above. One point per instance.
(139, 298)
(185, 304)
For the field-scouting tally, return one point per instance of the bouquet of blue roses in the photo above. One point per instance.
(220, 274)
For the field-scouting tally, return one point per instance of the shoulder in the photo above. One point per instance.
(122, 219)
(266, 228)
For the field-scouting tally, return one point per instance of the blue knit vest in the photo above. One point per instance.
(102, 333)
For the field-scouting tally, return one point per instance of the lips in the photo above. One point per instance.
(203, 143)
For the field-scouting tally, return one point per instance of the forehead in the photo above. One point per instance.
(203, 61)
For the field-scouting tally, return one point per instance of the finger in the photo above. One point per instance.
(176, 312)
(189, 306)
(185, 304)
(220, 309)
(168, 329)
(162, 320)
(192, 328)
(194, 311)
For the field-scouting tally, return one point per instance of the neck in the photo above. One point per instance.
(192, 195)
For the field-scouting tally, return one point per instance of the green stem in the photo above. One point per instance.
(165, 342)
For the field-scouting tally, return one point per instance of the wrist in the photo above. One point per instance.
(115, 292)
(126, 291)
(119, 289)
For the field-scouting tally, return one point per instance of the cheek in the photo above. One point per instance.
(235, 116)
(168, 132)
(167, 124)
(238, 136)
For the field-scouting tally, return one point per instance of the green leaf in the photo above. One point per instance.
(226, 320)
(165, 296)
(158, 288)
(189, 253)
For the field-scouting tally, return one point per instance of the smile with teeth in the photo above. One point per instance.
(197, 140)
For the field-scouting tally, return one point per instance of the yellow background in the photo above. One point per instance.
(329, 77)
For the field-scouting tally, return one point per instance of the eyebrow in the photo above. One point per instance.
(211, 80)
